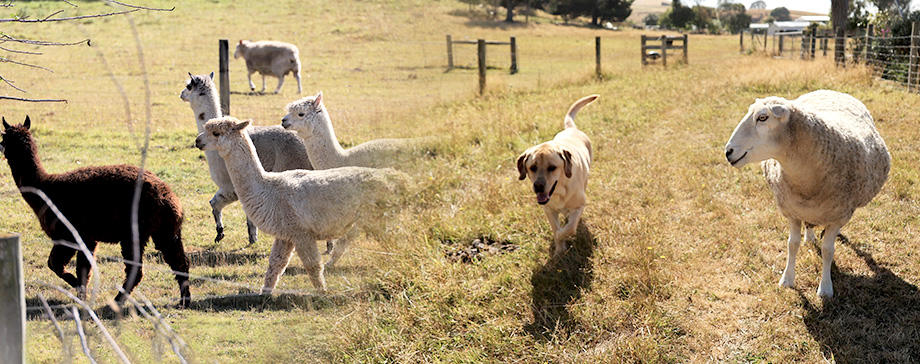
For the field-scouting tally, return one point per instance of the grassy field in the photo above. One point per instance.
(678, 258)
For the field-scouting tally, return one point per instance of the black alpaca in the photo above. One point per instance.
(97, 201)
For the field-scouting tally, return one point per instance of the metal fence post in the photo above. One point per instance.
(224, 69)
(12, 302)
(912, 65)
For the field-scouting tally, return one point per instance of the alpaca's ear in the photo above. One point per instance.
(318, 101)
(520, 165)
(189, 75)
(241, 41)
(5, 125)
(27, 123)
(211, 75)
(241, 125)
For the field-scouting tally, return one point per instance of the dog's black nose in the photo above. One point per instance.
(538, 187)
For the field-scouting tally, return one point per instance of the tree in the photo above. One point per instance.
(733, 16)
(839, 20)
(703, 17)
(599, 10)
(651, 19)
(781, 14)
(677, 17)
(12, 42)
(859, 16)
(759, 4)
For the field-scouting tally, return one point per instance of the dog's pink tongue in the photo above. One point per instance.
(542, 198)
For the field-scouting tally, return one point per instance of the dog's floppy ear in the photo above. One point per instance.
(567, 158)
(520, 165)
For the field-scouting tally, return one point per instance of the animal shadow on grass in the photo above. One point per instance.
(207, 258)
(276, 302)
(251, 93)
(870, 319)
(560, 282)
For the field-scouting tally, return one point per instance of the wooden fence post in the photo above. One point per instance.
(597, 56)
(812, 47)
(780, 45)
(12, 302)
(450, 54)
(753, 43)
(685, 48)
(664, 50)
(643, 55)
(765, 36)
(911, 77)
(866, 44)
(224, 69)
(803, 49)
(839, 44)
(481, 53)
(741, 41)
(514, 67)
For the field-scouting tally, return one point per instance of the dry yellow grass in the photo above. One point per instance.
(678, 258)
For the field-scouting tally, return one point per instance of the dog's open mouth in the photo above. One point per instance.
(543, 198)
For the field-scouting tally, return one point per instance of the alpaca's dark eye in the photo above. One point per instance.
(188, 86)
(301, 114)
(533, 168)
(550, 168)
(214, 133)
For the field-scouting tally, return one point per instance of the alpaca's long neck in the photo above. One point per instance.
(207, 110)
(244, 167)
(26, 168)
(323, 148)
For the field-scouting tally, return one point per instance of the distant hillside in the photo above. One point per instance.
(641, 8)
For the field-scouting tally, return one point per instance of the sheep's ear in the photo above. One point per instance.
(211, 75)
(27, 123)
(318, 101)
(520, 165)
(241, 125)
(5, 125)
(189, 75)
(567, 159)
(241, 41)
(780, 111)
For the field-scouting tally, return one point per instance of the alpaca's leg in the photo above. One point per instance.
(174, 255)
(263, 82)
(84, 267)
(795, 240)
(252, 86)
(280, 82)
(220, 200)
(57, 262)
(309, 255)
(826, 287)
(278, 260)
(340, 246)
(253, 231)
(133, 271)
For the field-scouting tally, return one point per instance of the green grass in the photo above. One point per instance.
(678, 259)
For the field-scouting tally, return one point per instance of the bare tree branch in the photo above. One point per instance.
(70, 3)
(6, 38)
(31, 100)
(46, 20)
(141, 7)
(79, 324)
(11, 84)
(7, 60)
(19, 51)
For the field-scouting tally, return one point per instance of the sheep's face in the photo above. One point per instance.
(545, 166)
(197, 89)
(757, 136)
(220, 133)
(304, 115)
(239, 48)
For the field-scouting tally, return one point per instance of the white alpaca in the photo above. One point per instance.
(822, 157)
(272, 58)
(308, 116)
(300, 207)
(278, 149)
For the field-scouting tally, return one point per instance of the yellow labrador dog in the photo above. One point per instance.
(559, 172)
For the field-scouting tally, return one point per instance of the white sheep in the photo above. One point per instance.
(308, 116)
(300, 207)
(822, 157)
(278, 149)
(269, 58)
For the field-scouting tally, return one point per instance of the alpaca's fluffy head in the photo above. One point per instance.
(15, 139)
(221, 133)
(198, 89)
(303, 115)
(759, 134)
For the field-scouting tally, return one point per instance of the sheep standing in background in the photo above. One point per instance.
(308, 116)
(822, 157)
(278, 149)
(269, 57)
(300, 207)
(98, 203)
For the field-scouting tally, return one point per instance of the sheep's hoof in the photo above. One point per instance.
(219, 237)
(825, 291)
(787, 281)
